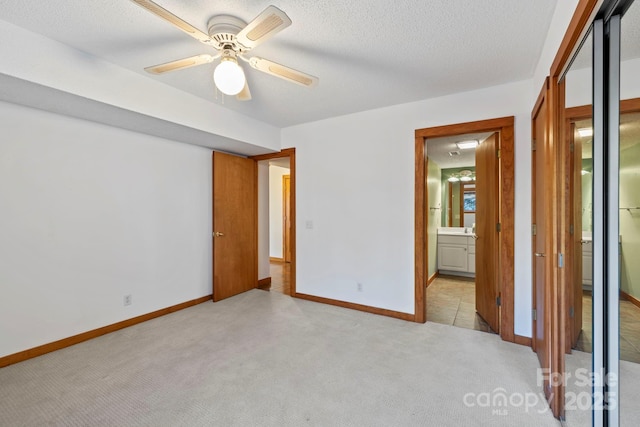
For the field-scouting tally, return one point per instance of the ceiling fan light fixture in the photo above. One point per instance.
(229, 76)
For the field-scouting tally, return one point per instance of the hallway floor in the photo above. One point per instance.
(451, 301)
(629, 329)
(280, 277)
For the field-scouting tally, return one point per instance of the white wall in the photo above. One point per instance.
(355, 183)
(560, 21)
(275, 210)
(91, 213)
(264, 270)
(35, 58)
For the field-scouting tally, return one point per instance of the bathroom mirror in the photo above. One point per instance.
(451, 177)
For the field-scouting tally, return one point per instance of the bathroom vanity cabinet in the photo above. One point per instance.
(457, 254)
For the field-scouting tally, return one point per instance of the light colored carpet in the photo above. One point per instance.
(265, 359)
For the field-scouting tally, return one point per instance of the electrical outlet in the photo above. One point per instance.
(360, 287)
(127, 300)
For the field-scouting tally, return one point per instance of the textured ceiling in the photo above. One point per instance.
(367, 54)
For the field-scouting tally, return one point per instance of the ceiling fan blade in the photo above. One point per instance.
(180, 64)
(174, 20)
(270, 22)
(283, 72)
(245, 94)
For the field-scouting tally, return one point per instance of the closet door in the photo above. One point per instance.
(625, 328)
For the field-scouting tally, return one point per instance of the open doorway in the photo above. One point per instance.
(276, 221)
(280, 224)
(451, 225)
(494, 228)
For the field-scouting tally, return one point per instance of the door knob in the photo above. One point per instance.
(475, 237)
(538, 254)
(217, 234)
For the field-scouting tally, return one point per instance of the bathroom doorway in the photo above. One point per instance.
(451, 223)
(454, 244)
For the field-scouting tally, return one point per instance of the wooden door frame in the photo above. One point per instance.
(580, 22)
(505, 126)
(289, 153)
(554, 293)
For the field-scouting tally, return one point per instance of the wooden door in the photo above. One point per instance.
(286, 217)
(235, 225)
(541, 168)
(575, 235)
(487, 241)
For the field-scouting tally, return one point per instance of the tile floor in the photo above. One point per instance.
(629, 329)
(452, 301)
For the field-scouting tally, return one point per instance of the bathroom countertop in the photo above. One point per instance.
(454, 233)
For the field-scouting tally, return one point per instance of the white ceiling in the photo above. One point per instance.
(367, 54)
(438, 150)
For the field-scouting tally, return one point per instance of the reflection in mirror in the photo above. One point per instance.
(579, 206)
(629, 217)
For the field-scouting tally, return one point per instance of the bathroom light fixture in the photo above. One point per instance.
(228, 75)
(585, 132)
(466, 145)
(464, 175)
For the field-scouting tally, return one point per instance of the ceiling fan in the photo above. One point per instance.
(233, 39)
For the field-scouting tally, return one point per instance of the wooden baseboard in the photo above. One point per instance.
(264, 284)
(359, 307)
(519, 339)
(433, 277)
(85, 336)
(274, 259)
(633, 300)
